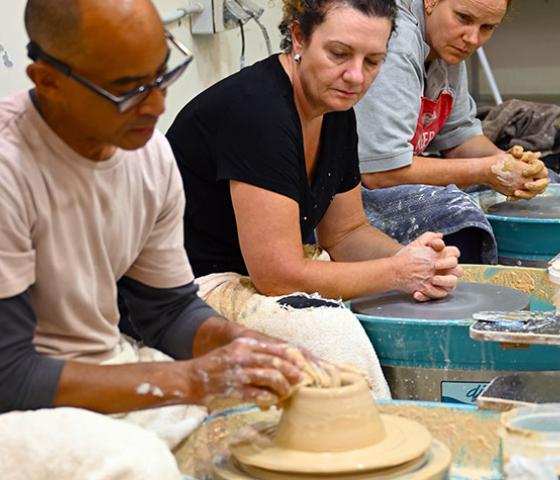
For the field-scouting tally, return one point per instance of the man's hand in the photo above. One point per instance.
(427, 268)
(247, 369)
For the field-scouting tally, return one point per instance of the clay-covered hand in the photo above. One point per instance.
(518, 174)
(427, 268)
(247, 370)
(536, 172)
(323, 374)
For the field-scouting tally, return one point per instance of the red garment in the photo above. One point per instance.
(432, 118)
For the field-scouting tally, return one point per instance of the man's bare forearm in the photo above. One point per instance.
(123, 388)
(215, 332)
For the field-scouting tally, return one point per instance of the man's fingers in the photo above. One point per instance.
(259, 396)
(282, 350)
(270, 379)
(261, 360)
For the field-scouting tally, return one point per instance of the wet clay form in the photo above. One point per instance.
(547, 206)
(467, 299)
(334, 432)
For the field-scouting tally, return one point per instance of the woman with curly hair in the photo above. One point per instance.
(268, 157)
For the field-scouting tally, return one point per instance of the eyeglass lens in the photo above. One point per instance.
(166, 80)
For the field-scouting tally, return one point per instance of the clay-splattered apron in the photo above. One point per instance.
(406, 211)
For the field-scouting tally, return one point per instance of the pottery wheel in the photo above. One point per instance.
(432, 465)
(404, 440)
(467, 299)
(539, 207)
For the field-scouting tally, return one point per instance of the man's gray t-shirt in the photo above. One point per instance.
(388, 114)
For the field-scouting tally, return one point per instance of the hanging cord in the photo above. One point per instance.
(242, 58)
(254, 11)
(265, 35)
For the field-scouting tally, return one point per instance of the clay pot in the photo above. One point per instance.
(331, 431)
(330, 419)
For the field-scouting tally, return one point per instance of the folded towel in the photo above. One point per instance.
(173, 423)
(72, 443)
(324, 327)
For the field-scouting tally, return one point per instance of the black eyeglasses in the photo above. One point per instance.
(128, 100)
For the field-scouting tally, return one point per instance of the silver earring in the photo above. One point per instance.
(297, 57)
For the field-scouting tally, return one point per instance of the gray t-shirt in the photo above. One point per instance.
(388, 114)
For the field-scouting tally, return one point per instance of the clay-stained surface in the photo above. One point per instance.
(544, 206)
(533, 281)
(467, 299)
(470, 435)
(194, 455)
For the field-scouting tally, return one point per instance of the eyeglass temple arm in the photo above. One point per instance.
(35, 53)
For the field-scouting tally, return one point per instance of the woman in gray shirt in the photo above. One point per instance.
(420, 103)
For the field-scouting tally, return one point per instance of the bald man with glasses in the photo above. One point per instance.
(91, 207)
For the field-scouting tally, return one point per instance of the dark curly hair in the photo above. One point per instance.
(311, 13)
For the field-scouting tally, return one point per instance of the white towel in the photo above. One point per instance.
(72, 443)
(173, 423)
(332, 333)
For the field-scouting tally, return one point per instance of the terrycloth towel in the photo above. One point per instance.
(72, 444)
(534, 126)
(173, 423)
(406, 211)
(324, 327)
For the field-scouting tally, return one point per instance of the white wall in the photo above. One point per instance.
(13, 39)
(216, 56)
(524, 53)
